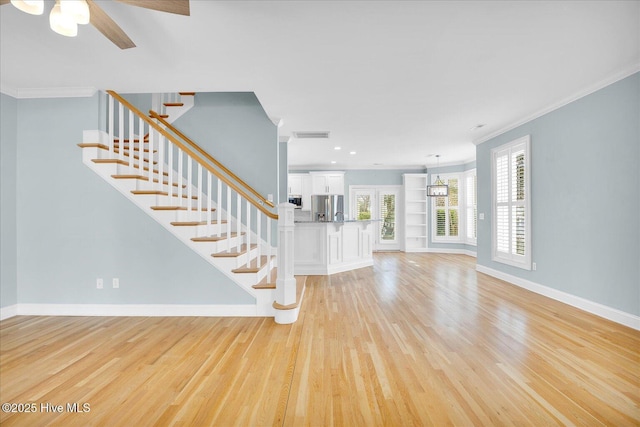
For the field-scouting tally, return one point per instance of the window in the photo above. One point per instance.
(511, 207)
(471, 206)
(445, 211)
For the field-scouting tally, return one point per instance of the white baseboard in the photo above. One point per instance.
(9, 311)
(134, 310)
(598, 309)
(451, 251)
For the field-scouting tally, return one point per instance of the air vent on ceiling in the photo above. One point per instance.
(308, 135)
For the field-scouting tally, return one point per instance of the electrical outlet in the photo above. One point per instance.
(534, 266)
(99, 283)
(116, 283)
(481, 215)
(270, 197)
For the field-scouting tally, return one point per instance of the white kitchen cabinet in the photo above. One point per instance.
(324, 248)
(327, 182)
(416, 212)
(300, 185)
(295, 183)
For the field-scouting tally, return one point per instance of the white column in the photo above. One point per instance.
(285, 282)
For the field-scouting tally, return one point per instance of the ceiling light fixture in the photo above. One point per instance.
(78, 9)
(439, 188)
(61, 23)
(32, 7)
(64, 17)
(352, 152)
(337, 148)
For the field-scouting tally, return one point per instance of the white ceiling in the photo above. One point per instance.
(394, 81)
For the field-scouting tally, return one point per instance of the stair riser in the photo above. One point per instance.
(184, 215)
(158, 200)
(220, 246)
(241, 260)
(189, 232)
(253, 278)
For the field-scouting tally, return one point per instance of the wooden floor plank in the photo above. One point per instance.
(417, 339)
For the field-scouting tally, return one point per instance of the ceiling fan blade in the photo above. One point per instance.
(180, 7)
(108, 27)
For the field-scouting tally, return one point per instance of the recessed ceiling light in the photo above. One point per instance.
(333, 162)
(352, 152)
(337, 148)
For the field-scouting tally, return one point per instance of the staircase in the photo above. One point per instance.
(198, 200)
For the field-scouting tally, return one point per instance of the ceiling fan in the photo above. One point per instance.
(66, 14)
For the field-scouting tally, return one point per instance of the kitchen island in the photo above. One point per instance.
(323, 248)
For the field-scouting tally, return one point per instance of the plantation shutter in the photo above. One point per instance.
(446, 210)
(471, 207)
(511, 203)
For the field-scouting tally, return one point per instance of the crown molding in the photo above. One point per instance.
(52, 92)
(343, 167)
(581, 94)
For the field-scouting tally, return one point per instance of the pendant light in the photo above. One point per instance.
(439, 188)
(61, 23)
(78, 9)
(32, 7)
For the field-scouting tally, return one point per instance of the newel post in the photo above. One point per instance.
(285, 282)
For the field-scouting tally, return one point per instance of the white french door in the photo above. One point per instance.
(381, 205)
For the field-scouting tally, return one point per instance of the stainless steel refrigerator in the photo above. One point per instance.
(327, 208)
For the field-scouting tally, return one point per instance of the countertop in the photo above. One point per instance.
(335, 222)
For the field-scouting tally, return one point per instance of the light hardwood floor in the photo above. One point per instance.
(419, 339)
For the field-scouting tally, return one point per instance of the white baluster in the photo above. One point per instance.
(189, 185)
(249, 233)
(170, 170)
(228, 227)
(160, 162)
(131, 129)
(259, 238)
(111, 125)
(219, 211)
(141, 145)
(152, 137)
(199, 192)
(238, 220)
(209, 203)
(121, 130)
(269, 249)
(180, 177)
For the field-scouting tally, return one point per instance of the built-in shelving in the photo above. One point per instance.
(416, 236)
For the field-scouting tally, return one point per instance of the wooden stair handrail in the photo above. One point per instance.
(209, 157)
(187, 150)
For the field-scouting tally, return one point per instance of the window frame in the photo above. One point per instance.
(460, 209)
(510, 257)
(473, 241)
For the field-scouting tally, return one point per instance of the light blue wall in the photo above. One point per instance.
(585, 193)
(73, 227)
(8, 237)
(234, 128)
(448, 169)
